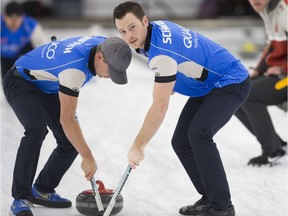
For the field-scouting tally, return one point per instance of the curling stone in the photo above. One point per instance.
(86, 204)
(249, 50)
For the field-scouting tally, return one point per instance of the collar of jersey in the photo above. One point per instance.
(148, 39)
(91, 60)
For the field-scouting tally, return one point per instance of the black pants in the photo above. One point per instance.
(6, 64)
(200, 119)
(255, 116)
(36, 110)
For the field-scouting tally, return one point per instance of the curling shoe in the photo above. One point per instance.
(21, 207)
(213, 212)
(200, 206)
(267, 159)
(52, 200)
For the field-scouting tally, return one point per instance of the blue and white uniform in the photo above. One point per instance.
(14, 44)
(32, 91)
(216, 83)
(64, 65)
(196, 63)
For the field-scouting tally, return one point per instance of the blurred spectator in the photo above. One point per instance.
(214, 8)
(19, 34)
(209, 9)
(38, 8)
(271, 68)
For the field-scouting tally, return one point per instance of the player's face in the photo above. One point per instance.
(13, 22)
(259, 5)
(132, 30)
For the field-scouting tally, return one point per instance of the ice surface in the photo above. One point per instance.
(110, 117)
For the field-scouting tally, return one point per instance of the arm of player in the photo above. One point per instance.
(38, 36)
(152, 122)
(73, 132)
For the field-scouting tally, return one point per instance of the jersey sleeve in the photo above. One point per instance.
(282, 19)
(38, 36)
(71, 81)
(164, 68)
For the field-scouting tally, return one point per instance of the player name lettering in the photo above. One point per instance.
(70, 46)
(166, 33)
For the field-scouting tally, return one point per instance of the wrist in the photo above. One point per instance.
(87, 155)
(139, 145)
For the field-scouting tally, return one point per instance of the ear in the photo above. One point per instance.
(98, 56)
(145, 21)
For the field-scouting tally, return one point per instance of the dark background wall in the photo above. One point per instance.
(169, 9)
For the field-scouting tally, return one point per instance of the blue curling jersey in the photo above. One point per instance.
(196, 63)
(66, 64)
(12, 43)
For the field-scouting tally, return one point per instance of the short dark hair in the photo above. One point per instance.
(128, 7)
(13, 8)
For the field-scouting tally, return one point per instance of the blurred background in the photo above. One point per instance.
(101, 10)
(241, 27)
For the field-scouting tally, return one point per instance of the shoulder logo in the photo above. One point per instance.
(75, 89)
(51, 50)
(154, 68)
(157, 74)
